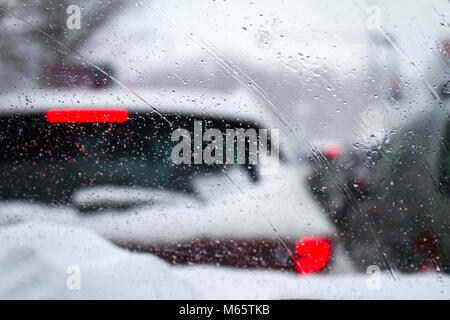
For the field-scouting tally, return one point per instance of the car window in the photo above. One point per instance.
(76, 154)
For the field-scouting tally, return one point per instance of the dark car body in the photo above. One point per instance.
(391, 201)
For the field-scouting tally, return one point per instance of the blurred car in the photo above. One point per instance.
(103, 161)
(390, 200)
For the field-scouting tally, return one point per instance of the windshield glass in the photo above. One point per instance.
(307, 140)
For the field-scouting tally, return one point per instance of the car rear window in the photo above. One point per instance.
(38, 153)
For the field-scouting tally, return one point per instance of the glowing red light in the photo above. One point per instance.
(87, 115)
(313, 254)
(332, 150)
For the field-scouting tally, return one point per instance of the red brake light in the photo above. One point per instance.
(427, 248)
(332, 150)
(87, 115)
(313, 254)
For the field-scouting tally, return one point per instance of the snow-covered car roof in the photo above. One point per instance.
(235, 105)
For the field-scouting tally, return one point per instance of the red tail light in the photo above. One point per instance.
(332, 150)
(87, 115)
(429, 252)
(313, 254)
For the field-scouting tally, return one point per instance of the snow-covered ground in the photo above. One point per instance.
(40, 260)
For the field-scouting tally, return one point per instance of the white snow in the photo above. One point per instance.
(230, 284)
(232, 209)
(35, 257)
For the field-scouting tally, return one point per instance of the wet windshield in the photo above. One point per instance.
(299, 138)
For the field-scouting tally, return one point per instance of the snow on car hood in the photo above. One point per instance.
(37, 258)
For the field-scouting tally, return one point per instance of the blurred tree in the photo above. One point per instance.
(25, 50)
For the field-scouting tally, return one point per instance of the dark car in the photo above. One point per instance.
(390, 201)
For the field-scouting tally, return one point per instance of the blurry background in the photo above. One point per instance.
(322, 64)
